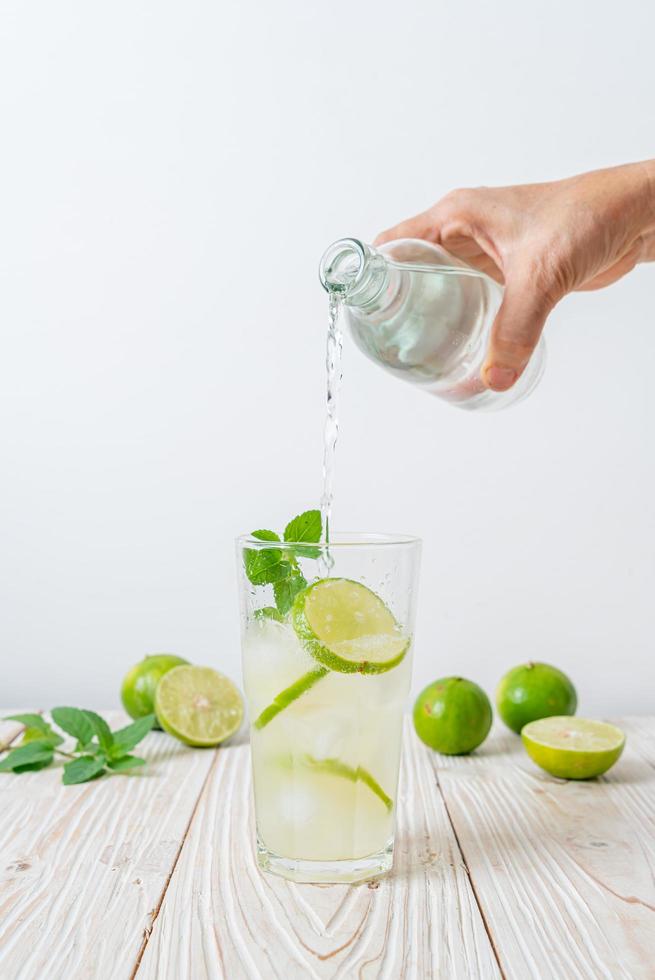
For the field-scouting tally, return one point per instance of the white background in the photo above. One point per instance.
(169, 176)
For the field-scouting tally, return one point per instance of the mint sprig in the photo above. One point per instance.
(96, 749)
(279, 566)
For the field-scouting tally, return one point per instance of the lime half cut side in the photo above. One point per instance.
(198, 705)
(347, 628)
(573, 748)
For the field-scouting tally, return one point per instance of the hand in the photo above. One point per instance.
(542, 241)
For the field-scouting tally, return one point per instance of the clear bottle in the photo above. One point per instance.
(423, 315)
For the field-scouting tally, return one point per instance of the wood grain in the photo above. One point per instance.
(641, 733)
(83, 868)
(564, 871)
(222, 918)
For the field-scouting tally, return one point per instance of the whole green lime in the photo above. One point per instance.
(452, 716)
(533, 691)
(140, 683)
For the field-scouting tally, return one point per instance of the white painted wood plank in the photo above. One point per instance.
(83, 868)
(222, 918)
(641, 732)
(564, 871)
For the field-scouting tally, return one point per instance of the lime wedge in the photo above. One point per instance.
(198, 705)
(573, 748)
(335, 767)
(348, 628)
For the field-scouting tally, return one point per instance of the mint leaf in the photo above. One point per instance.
(305, 527)
(37, 729)
(266, 566)
(270, 612)
(126, 762)
(34, 735)
(287, 590)
(34, 766)
(265, 535)
(37, 735)
(82, 770)
(126, 738)
(74, 722)
(26, 755)
(100, 729)
(31, 721)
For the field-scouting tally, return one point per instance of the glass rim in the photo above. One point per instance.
(342, 539)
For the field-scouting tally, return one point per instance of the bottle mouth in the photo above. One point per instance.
(342, 265)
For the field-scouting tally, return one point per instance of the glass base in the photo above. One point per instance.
(326, 872)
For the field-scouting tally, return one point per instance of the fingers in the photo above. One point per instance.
(453, 210)
(515, 334)
(421, 226)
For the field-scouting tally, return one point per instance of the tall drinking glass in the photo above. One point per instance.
(327, 665)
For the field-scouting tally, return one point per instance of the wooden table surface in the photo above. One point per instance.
(500, 871)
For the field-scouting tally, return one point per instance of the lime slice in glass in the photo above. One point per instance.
(573, 748)
(348, 628)
(288, 695)
(198, 705)
(335, 767)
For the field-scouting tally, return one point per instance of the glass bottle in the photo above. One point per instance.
(423, 315)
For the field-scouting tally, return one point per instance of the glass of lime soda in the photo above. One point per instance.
(327, 645)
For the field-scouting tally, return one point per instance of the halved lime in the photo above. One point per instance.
(347, 627)
(198, 705)
(573, 748)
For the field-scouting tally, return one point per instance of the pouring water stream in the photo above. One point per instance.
(333, 365)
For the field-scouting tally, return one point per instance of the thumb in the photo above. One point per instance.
(420, 226)
(515, 334)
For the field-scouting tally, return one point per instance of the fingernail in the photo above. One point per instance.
(499, 378)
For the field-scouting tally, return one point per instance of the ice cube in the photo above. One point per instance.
(273, 658)
(296, 804)
(326, 737)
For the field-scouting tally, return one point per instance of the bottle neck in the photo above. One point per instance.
(356, 272)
